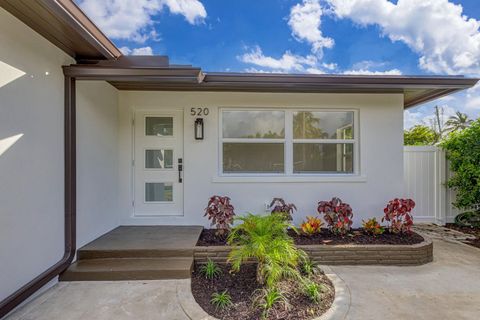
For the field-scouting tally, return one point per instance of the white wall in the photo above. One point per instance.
(31, 170)
(381, 155)
(97, 160)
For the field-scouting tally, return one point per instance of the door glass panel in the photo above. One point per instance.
(159, 126)
(322, 157)
(158, 191)
(323, 125)
(254, 124)
(159, 159)
(253, 157)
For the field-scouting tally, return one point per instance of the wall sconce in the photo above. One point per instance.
(199, 129)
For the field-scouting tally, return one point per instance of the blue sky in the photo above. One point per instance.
(406, 37)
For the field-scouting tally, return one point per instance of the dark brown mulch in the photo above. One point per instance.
(208, 238)
(356, 236)
(469, 230)
(242, 288)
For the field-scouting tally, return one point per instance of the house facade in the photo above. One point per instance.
(90, 140)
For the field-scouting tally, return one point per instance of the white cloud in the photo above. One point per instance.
(392, 72)
(133, 19)
(143, 51)
(305, 22)
(446, 40)
(288, 62)
(472, 99)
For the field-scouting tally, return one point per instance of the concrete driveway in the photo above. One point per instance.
(448, 288)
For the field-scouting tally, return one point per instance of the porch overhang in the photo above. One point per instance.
(142, 74)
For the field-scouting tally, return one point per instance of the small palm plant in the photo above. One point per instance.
(221, 300)
(210, 270)
(265, 240)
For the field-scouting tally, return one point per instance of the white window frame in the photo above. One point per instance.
(288, 141)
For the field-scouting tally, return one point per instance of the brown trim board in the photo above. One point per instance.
(70, 207)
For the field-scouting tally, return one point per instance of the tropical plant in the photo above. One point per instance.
(221, 300)
(459, 121)
(337, 214)
(309, 267)
(463, 152)
(221, 212)
(268, 298)
(279, 206)
(311, 226)
(398, 215)
(419, 135)
(265, 240)
(210, 269)
(312, 290)
(372, 227)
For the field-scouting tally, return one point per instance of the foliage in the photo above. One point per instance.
(279, 206)
(309, 267)
(221, 212)
(312, 290)
(463, 152)
(312, 225)
(265, 240)
(337, 214)
(221, 300)
(459, 121)
(267, 298)
(419, 135)
(398, 214)
(372, 227)
(210, 270)
(468, 219)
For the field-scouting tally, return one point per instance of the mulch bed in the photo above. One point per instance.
(242, 288)
(208, 238)
(468, 230)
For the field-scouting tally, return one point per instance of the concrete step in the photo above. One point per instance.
(92, 253)
(112, 269)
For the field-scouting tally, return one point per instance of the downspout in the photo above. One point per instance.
(70, 207)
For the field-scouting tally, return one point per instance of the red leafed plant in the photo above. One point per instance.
(337, 214)
(279, 206)
(398, 214)
(220, 211)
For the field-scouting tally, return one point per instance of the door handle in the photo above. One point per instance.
(180, 169)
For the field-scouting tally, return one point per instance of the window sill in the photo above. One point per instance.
(291, 179)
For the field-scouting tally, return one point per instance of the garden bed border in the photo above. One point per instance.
(395, 255)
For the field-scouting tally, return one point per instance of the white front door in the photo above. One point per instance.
(158, 163)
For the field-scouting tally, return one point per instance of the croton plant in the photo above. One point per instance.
(398, 215)
(279, 206)
(311, 226)
(337, 214)
(221, 212)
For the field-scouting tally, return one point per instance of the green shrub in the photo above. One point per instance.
(309, 267)
(312, 290)
(463, 152)
(210, 270)
(265, 240)
(221, 300)
(268, 298)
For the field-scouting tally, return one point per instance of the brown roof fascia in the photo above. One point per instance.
(73, 15)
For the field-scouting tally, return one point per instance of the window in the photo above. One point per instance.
(288, 142)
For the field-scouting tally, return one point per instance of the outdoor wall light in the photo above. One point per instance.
(199, 129)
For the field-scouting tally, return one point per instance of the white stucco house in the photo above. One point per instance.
(91, 139)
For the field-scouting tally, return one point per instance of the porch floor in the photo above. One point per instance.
(136, 253)
(145, 239)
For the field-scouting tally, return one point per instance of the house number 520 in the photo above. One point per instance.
(199, 111)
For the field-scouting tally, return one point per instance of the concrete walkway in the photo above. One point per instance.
(448, 288)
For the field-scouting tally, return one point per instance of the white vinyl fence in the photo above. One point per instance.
(425, 172)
